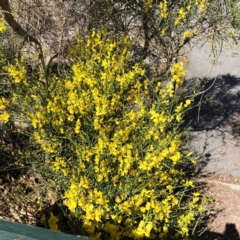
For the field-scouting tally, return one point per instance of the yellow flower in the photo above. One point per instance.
(139, 232)
(189, 183)
(181, 16)
(72, 204)
(99, 178)
(4, 117)
(2, 26)
(52, 221)
(3, 103)
(89, 227)
(117, 199)
(189, 154)
(98, 214)
(77, 126)
(148, 229)
(179, 117)
(196, 194)
(194, 160)
(186, 34)
(148, 5)
(176, 157)
(164, 9)
(164, 232)
(17, 73)
(179, 107)
(187, 103)
(201, 4)
(113, 230)
(170, 90)
(233, 33)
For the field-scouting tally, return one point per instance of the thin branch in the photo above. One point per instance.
(8, 16)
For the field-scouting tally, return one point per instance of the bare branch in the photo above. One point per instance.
(13, 24)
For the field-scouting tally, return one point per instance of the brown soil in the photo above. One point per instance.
(17, 199)
(224, 216)
(23, 197)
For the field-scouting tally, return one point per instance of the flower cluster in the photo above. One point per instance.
(182, 14)
(148, 5)
(201, 4)
(178, 73)
(163, 9)
(4, 115)
(186, 34)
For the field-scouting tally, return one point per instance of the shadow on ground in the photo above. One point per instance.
(219, 106)
(215, 125)
(230, 233)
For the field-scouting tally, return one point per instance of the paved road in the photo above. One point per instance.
(216, 136)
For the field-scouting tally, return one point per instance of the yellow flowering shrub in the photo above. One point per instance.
(111, 137)
(114, 137)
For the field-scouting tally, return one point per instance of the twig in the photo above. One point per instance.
(199, 108)
(201, 93)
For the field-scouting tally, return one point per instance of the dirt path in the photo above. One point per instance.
(224, 216)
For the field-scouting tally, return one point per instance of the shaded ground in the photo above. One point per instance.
(215, 134)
